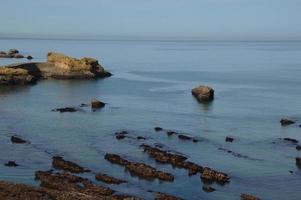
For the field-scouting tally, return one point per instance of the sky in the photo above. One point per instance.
(142, 19)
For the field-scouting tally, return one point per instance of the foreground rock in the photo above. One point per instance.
(203, 93)
(286, 122)
(59, 163)
(179, 161)
(58, 66)
(11, 76)
(108, 179)
(248, 197)
(163, 196)
(139, 169)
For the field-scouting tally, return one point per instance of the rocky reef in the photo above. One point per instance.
(14, 53)
(57, 66)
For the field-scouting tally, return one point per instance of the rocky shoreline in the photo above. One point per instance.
(57, 66)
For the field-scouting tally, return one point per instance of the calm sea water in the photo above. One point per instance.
(256, 83)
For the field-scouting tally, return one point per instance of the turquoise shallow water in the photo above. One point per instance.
(256, 84)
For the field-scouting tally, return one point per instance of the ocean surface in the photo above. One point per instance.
(256, 84)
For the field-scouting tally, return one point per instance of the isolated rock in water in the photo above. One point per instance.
(29, 57)
(108, 179)
(286, 121)
(248, 197)
(88, 66)
(11, 164)
(298, 147)
(11, 76)
(59, 163)
(95, 104)
(298, 161)
(66, 109)
(229, 139)
(18, 56)
(184, 137)
(158, 128)
(203, 93)
(291, 140)
(17, 140)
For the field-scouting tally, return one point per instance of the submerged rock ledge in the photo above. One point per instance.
(57, 66)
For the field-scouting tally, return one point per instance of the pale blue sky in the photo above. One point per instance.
(190, 19)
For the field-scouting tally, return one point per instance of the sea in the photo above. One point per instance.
(256, 84)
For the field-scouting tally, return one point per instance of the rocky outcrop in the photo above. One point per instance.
(13, 53)
(96, 104)
(58, 66)
(11, 76)
(139, 169)
(59, 163)
(163, 196)
(203, 93)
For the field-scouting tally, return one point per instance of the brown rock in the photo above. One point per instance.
(95, 104)
(11, 76)
(203, 93)
(108, 179)
(18, 56)
(298, 161)
(212, 175)
(163, 196)
(59, 163)
(208, 188)
(248, 197)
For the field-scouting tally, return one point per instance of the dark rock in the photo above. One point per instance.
(229, 139)
(139, 169)
(203, 93)
(95, 104)
(184, 137)
(59, 163)
(248, 197)
(17, 140)
(29, 57)
(291, 140)
(141, 138)
(66, 109)
(108, 179)
(121, 135)
(286, 121)
(84, 105)
(212, 175)
(170, 133)
(208, 188)
(163, 196)
(158, 129)
(298, 147)
(11, 164)
(298, 161)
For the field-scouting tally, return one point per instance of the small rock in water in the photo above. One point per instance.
(29, 57)
(208, 188)
(229, 139)
(298, 161)
(11, 164)
(17, 140)
(66, 109)
(141, 138)
(291, 140)
(298, 147)
(248, 197)
(184, 137)
(286, 121)
(158, 129)
(95, 104)
(203, 93)
(169, 133)
(18, 56)
(13, 51)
